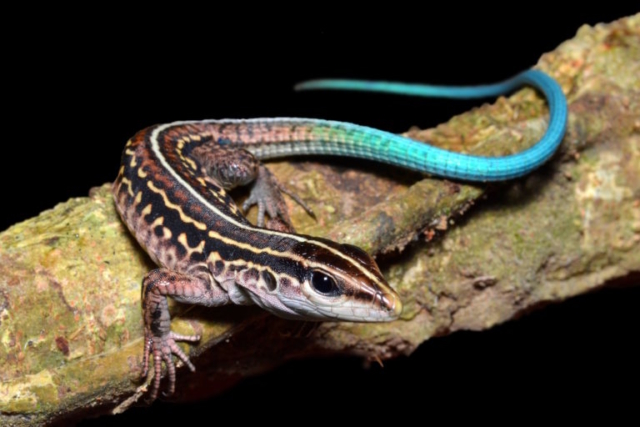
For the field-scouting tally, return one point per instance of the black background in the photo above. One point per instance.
(75, 90)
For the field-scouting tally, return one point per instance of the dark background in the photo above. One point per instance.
(79, 90)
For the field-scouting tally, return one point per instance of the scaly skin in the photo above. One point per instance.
(170, 191)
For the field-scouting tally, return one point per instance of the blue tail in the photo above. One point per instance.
(426, 158)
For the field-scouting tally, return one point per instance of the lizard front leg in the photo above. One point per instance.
(233, 167)
(160, 342)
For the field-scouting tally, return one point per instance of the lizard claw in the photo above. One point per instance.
(266, 193)
(297, 199)
(162, 349)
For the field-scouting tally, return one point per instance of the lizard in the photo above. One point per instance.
(171, 192)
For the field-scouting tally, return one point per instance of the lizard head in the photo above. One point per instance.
(328, 281)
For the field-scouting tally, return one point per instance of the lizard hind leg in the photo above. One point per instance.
(233, 167)
(229, 167)
(160, 342)
(266, 193)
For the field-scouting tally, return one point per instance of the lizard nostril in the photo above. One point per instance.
(390, 302)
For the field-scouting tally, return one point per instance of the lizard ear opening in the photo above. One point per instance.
(324, 284)
(270, 281)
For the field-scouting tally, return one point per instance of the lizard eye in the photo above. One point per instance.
(324, 284)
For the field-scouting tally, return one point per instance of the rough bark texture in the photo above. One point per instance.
(70, 322)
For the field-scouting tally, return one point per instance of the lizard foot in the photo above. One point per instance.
(266, 193)
(162, 349)
(159, 342)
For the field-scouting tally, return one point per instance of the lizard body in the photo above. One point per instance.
(170, 191)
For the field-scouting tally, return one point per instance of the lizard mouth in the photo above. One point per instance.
(383, 308)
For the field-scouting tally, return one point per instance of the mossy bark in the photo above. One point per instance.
(70, 322)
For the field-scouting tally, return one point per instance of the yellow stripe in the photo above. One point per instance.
(250, 228)
(166, 233)
(126, 182)
(255, 250)
(184, 217)
(190, 162)
(265, 250)
(146, 211)
(157, 222)
(182, 238)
